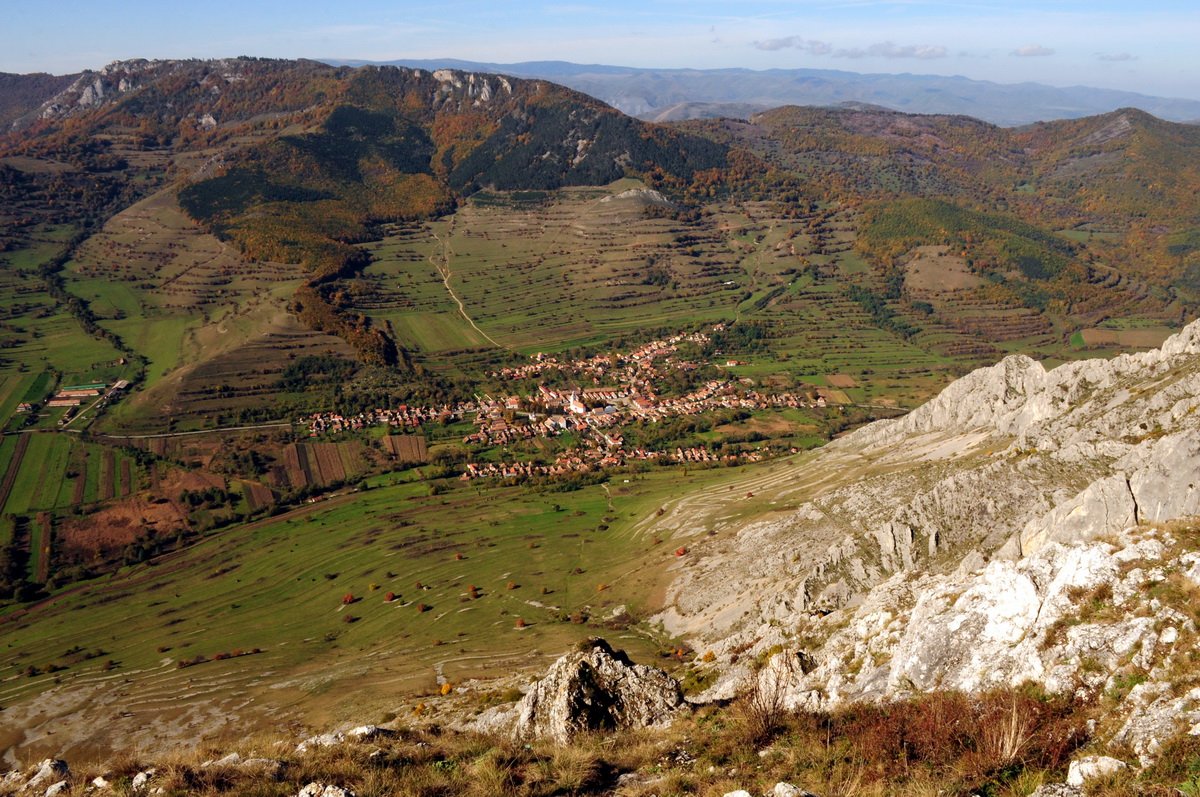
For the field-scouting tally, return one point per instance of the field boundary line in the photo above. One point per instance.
(444, 270)
(218, 430)
(14, 467)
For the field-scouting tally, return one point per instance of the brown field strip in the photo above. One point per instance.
(1139, 338)
(107, 465)
(407, 447)
(352, 459)
(80, 488)
(43, 569)
(14, 467)
(329, 461)
(126, 478)
(305, 459)
(293, 472)
(257, 495)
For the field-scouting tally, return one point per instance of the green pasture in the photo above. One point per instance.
(1084, 235)
(42, 472)
(58, 342)
(108, 297)
(14, 388)
(279, 584)
(159, 338)
(433, 332)
(548, 275)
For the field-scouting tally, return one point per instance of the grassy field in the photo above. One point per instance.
(579, 267)
(566, 268)
(43, 345)
(177, 296)
(41, 474)
(13, 388)
(544, 276)
(281, 585)
(434, 332)
(59, 473)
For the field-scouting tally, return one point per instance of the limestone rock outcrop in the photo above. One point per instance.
(1004, 461)
(315, 789)
(596, 688)
(49, 772)
(1071, 616)
(1091, 767)
(1025, 525)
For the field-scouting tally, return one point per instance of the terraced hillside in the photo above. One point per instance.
(304, 308)
(1121, 181)
(389, 590)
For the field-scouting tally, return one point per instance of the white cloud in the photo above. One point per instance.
(1032, 50)
(1116, 57)
(893, 50)
(810, 46)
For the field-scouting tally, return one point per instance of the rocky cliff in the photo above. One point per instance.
(1025, 525)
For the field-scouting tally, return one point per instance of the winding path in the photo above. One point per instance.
(443, 268)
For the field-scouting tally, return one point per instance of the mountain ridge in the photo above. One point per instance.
(648, 92)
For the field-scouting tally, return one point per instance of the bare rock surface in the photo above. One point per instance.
(1015, 528)
(49, 772)
(1006, 460)
(316, 789)
(596, 688)
(1057, 790)
(1091, 767)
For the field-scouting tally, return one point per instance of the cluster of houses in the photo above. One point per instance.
(75, 395)
(594, 415)
(586, 460)
(402, 417)
(624, 368)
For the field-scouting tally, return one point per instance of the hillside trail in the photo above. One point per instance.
(194, 432)
(442, 264)
(757, 255)
(758, 493)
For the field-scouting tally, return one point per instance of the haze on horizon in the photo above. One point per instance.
(1147, 47)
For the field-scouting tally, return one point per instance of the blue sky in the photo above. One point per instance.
(1149, 46)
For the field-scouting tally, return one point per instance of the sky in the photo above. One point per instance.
(1149, 46)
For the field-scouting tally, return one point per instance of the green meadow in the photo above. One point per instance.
(309, 590)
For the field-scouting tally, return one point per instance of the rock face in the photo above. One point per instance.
(315, 789)
(596, 688)
(1092, 767)
(358, 734)
(49, 772)
(1068, 616)
(1005, 460)
(1016, 528)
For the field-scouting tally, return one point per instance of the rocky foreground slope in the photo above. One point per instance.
(1025, 525)
(1010, 575)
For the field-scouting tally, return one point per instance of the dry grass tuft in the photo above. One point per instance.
(1002, 744)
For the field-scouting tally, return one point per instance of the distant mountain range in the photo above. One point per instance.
(673, 94)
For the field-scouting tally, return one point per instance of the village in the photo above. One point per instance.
(71, 398)
(594, 416)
